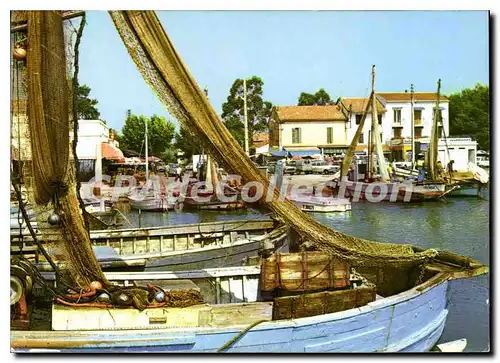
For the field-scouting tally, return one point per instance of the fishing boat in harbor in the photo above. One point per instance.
(332, 293)
(322, 204)
(207, 198)
(179, 247)
(233, 317)
(377, 185)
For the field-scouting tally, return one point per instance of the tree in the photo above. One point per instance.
(160, 134)
(319, 98)
(258, 110)
(470, 114)
(86, 108)
(186, 142)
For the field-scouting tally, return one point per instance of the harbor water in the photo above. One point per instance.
(459, 225)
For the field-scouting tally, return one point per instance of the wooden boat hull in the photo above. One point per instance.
(181, 247)
(323, 205)
(152, 204)
(411, 321)
(396, 192)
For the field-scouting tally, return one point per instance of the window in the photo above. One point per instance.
(358, 119)
(396, 132)
(418, 132)
(296, 135)
(440, 131)
(417, 117)
(379, 119)
(381, 138)
(361, 138)
(397, 115)
(329, 135)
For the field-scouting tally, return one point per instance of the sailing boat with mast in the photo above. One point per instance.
(120, 312)
(153, 196)
(377, 185)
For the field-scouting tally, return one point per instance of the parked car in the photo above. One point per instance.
(290, 167)
(304, 166)
(320, 167)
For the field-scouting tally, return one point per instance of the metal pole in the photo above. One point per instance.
(146, 153)
(412, 130)
(245, 114)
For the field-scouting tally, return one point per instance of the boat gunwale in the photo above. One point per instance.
(434, 282)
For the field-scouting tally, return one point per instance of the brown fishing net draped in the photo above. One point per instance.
(163, 69)
(52, 180)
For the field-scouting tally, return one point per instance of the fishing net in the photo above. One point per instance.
(165, 72)
(50, 181)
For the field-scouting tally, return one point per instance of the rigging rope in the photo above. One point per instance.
(165, 72)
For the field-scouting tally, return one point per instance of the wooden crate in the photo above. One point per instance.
(319, 303)
(303, 271)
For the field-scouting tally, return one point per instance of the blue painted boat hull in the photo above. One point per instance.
(412, 321)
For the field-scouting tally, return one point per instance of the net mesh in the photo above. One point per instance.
(165, 72)
(49, 179)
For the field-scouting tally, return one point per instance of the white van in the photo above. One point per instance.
(304, 166)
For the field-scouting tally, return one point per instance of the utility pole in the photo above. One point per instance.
(245, 114)
(412, 129)
(146, 153)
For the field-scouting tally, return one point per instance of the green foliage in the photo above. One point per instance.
(470, 114)
(319, 98)
(160, 134)
(86, 108)
(258, 110)
(187, 143)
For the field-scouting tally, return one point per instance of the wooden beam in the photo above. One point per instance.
(66, 15)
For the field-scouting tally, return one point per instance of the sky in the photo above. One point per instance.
(293, 52)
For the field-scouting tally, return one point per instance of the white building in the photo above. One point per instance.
(354, 109)
(93, 134)
(308, 130)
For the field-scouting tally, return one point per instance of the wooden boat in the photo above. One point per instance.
(179, 247)
(207, 199)
(395, 192)
(151, 203)
(322, 204)
(232, 319)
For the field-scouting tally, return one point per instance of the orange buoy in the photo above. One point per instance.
(19, 53)
(95, 285)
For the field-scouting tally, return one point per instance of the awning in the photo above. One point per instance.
(279, 154)
(304, 152)
(111, 152)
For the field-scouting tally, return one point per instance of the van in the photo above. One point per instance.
(304, 166)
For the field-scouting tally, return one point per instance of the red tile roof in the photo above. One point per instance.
(310, 113)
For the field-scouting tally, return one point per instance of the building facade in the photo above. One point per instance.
(354, 109)
(308, 130)
(397, 125)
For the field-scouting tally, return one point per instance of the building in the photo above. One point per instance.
(397, 124)
(354, 109)
(95, 133)
(308, 130)
(260, 142)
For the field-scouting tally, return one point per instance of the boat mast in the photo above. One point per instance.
(245, 114)
(371, 173)
(375, 137)
(355, 140)
(146, 153)
(432, 158)
(412, 130)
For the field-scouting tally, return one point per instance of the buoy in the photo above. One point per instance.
(160, 296)
(95, 285)
(103, 298)
(19, 53)
(53, 220)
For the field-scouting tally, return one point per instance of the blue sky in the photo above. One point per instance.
(293, 52)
